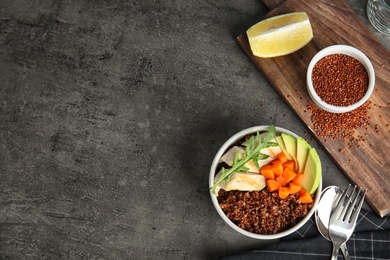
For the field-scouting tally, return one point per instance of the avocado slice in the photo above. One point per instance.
(290, 143)
(280, 142)
(312, 172)
(303, 149)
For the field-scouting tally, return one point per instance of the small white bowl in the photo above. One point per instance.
(232, 140)
(352, 52)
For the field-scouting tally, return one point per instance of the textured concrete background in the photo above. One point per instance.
(111, 113)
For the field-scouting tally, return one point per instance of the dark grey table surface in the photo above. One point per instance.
(111, 113)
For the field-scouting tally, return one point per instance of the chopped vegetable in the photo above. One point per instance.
(273, 185)
(289, 164)
(282, 157)
(277, 169)
(268, 172)
(288, 175)
(252, 153)
(305, 196)
(282, 178)
(294, 188)
(276, 161)
(284, 192)
(298, 179)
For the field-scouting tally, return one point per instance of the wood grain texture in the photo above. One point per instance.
(334, 22)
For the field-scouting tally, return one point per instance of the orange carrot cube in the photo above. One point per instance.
(290, 165)
(288, 175)
(282, 157)
(294, 188)
(306, 197)
(276, 161)
(284, 192)
(281, 180)
(298, 179)
(273, 185)
(278, 169)
(267, 172)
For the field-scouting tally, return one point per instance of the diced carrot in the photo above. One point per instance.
(281, 177)
(288, 175)
(268, 172)
(290, 165)
(281, 180)
(282, 157)
(294, 188)
(284, 192)
(273, 185)
(302, 191)
(298, 179)
(276, 161)
(305, 197)
(278, 169)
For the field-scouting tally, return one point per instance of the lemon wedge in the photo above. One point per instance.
(280, 35)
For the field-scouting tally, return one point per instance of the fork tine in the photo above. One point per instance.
(339, 207)
(337, 198)
(356, 212)
(352, 204)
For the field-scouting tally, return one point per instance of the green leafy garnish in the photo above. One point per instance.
(252, 152)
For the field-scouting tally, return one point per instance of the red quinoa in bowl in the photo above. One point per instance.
(340, 79)
(262, 212)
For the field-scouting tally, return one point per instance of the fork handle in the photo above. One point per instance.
(345, 252)
(335, 251)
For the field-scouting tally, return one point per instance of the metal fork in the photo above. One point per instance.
(343, 217)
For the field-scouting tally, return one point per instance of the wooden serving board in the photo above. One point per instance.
(334, 22)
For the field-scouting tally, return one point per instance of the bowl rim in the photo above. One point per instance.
(233, 139)
(352, 52)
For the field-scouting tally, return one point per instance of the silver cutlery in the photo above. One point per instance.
(343, 217)
(322, 215)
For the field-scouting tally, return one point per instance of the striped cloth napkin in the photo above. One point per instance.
(371, 240)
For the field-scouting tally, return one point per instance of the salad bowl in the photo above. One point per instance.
(214, 198)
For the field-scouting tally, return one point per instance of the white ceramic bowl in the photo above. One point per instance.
(352, 52)
(232, 140)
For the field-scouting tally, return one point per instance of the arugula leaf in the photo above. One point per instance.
(252, 152)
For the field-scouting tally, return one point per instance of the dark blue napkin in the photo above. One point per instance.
(371, 240)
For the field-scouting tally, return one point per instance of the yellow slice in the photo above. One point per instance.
(280, 35)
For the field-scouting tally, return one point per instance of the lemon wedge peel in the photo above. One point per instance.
(280, 35)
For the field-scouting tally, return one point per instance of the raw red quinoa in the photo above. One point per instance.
(339, 125)
(340, 80)
(262, 212)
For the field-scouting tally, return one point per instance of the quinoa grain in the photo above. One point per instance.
(262, 212)
(340, 80)
(332, 125)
